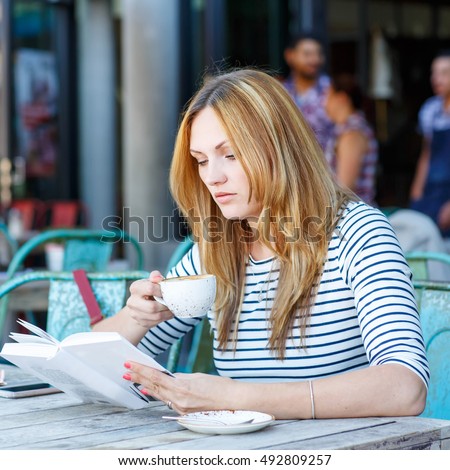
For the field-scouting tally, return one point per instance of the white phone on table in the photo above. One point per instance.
(27, 390)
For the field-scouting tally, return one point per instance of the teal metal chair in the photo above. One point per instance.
(83, 249)
(11, 243)
(110, 289)
(182, 248)
(200, 351)
(419, 262)
(434, 307)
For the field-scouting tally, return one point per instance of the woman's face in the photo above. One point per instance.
(219, 170)
(440, 76)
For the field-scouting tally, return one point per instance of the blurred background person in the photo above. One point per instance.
(430, 191)
(307, 84)
(352, 150)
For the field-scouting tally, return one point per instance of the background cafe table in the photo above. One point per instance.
(33, 296)
(28, 297)
(59, 422)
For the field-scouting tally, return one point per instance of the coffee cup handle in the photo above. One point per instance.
(160, 300)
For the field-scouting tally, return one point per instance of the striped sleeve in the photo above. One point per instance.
(161, 337)
(374, 267)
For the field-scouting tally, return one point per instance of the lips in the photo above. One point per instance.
(223, 197)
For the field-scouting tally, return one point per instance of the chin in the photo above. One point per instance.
(234, 215)
(441, 91)
(312, 74)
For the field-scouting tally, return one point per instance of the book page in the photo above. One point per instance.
(109, 356)
(51, 372)
(25, 338)
(38, 331)
(88, 337)
(69, 374)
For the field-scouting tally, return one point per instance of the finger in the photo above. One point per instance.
(146, 306)
(145, 289)
(147, 387)
(153, 390)
(140, 287)
(156, 276)
(147, 319)
(149, 377)
(159, 385)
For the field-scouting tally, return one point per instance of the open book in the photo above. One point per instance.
(88, 366)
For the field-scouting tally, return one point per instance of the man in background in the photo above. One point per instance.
(307, 84)
(430, 191)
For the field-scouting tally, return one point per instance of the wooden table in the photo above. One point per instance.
(58, 422)
(29, 297)
(33, 296)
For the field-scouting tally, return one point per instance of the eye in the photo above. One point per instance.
(231, 157)
(202, 162)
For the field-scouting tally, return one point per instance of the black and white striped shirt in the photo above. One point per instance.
(364, 314)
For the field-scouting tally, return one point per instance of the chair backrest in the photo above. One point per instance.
(93, 249)
(9, 245)
(434, 307)
(90, 254)
(200, 342)
(67, 214)
(79, 240)
(182, 248)
(67, 312)
(419, 262)
(33, 212)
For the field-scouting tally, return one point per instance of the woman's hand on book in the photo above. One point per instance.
(186, 393)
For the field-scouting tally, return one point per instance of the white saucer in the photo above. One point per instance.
(230, 418)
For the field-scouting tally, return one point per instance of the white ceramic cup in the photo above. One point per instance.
(188, 296)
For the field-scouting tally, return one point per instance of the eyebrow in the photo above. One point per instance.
(217, 147)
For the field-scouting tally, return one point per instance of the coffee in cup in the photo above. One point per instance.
(188, 296)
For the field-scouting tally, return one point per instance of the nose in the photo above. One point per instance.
(214, 173)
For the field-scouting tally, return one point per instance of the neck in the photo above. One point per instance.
(260, 251)
(446, 102)
(303, 84)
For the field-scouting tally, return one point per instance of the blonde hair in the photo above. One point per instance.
(287, 174)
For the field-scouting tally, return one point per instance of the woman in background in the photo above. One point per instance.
(352, 152)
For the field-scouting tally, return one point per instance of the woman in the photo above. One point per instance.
(312, 286)
(352, 151)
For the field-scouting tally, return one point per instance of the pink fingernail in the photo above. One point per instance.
(127, 365)
(126, 376)
(144, 391)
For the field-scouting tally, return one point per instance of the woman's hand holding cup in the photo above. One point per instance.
(142, 306)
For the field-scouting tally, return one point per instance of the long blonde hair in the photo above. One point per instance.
(287, 173)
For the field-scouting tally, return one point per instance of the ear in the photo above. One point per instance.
(288, 55)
